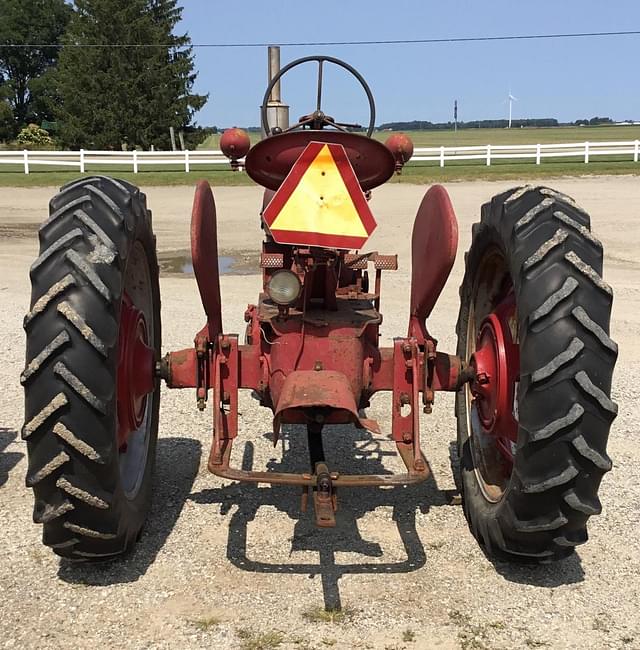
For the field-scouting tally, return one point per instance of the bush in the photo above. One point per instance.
(33, 135)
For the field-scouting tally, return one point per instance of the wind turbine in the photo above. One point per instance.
(511, 99)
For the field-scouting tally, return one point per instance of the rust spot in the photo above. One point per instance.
(180, 357)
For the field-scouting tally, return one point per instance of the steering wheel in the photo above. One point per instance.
(318, 119)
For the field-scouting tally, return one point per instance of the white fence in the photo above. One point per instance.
(187, 160)
(487, 152)
(136, 160)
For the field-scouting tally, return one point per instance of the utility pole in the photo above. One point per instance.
(455, 115)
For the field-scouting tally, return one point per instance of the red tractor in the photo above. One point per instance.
(532, 371)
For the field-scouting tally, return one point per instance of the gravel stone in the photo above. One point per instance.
(220, 564)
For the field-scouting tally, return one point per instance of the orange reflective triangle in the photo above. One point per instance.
(320, 202)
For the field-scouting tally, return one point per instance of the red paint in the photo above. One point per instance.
(235, 143)
(320, 358)
(182, 368)
(255, 360)
(204, 255)
(310, 389)
(342, 242)
(433, 251)
(225, 374)
(328, 348)
(270, 160)
(402, 397)
(136, 377)
(401, 146)
(446, 372)
(496, 361)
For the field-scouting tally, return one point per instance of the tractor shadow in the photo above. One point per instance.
(244, 501)
(561, 572)
(8, 459)
(177, 463)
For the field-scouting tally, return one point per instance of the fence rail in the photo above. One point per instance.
(186, 160)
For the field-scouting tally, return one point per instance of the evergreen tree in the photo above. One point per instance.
(27, 74)
(7, 123)
(125, 95)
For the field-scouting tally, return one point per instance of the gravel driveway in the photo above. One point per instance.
(225, 566)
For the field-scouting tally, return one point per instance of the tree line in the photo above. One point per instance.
(424, 125)
(90, 95)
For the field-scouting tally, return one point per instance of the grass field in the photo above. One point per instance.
(418, 172)
(468, 137)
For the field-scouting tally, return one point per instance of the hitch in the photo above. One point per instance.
(325, 500)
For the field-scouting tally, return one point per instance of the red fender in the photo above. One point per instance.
(303, 389)
(433, 251)
(204, 256)
(266, 198)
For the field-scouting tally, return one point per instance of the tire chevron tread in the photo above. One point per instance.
(71, 325)
(560, 455)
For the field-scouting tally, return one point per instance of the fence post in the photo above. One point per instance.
(586, 152)
(186, 161)
(135, 161)
(25, 155)
(635, 151)
(82, 161)
(441, 156)
(488, 155)
(538, 154)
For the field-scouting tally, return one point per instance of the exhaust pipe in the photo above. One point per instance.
(277, 112)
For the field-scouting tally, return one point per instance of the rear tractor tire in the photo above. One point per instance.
(533, 425)
(91, 396)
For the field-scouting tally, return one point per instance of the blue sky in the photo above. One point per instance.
(566, 79)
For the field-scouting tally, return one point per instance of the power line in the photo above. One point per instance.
(417, 41)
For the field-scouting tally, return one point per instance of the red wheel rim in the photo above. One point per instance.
(135, 370)
(495, 356)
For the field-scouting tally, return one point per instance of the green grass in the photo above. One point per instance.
(469, 137)
(215, 174)
(317, 614)
(408, 636)
(207, 623)
(417, 172)
(428, 172)
(259, 640)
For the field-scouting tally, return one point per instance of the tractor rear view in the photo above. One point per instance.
(531, 373)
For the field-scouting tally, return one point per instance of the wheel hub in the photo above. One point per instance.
(496, 363)
(136, 377)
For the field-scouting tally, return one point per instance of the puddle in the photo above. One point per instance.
(242, 262)
(19, 230)
(225, 265)
(238, 263)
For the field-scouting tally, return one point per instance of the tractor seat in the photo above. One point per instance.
(270, 160)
